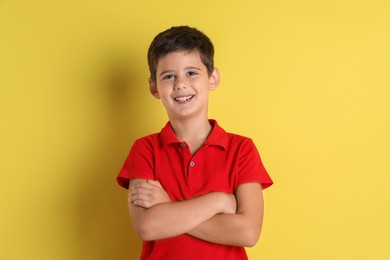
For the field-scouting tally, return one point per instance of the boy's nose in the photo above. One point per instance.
(180, 84)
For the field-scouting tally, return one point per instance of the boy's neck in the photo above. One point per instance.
(192, 131)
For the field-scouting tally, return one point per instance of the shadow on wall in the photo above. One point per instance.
(105, 230)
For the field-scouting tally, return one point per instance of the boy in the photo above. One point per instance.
(195, 191)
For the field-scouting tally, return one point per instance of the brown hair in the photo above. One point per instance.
(180, 38)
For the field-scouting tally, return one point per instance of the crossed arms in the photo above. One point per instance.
(215, 217)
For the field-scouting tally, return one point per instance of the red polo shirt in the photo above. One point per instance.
(223, 162)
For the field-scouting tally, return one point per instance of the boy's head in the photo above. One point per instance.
(180, 38)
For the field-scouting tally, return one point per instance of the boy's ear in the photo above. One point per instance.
(214, 79)
(153, 88)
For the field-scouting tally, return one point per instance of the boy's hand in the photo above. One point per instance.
(148, 194)
(231, 204)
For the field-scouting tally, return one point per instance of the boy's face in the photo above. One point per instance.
(182, 83)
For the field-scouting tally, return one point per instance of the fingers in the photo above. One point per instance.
(149, 185)
(234, 202)
(230, 203)
(140, 195)
(145, 194)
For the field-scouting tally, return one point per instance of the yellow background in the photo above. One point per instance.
(307, 80)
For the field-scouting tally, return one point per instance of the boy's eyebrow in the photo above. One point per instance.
(186, 68)
(191, 67)
(166, 71)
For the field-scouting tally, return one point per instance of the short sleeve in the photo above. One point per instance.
(251, 168)
(139, 163)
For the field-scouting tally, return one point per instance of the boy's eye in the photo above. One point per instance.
(192, 73)
(169, 76)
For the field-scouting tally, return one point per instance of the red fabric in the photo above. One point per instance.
(225, 161)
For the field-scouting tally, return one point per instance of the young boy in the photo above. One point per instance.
(195, 191)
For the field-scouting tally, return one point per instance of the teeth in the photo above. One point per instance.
(182, 99)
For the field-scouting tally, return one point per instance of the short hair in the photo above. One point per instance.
(180, 38)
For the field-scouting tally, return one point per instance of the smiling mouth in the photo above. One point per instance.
(184, 99)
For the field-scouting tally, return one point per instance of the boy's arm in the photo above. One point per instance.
(241, 229)
(155, 217)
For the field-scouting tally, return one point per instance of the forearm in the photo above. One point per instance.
(210, 217)
(240, 229)
(229, 229)
(172, 219)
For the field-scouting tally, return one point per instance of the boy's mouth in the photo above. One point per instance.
(184, 99)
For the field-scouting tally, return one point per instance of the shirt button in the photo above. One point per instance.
(183, 145)
(192, 164)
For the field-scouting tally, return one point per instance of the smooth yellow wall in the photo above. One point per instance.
(307, 80)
